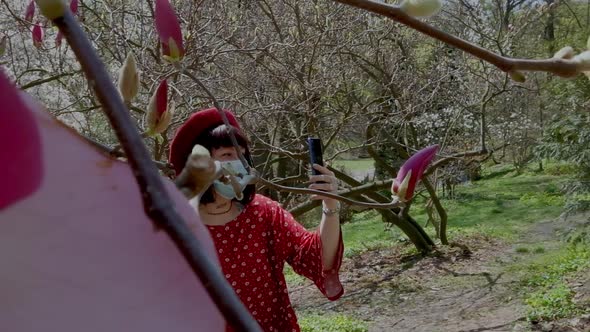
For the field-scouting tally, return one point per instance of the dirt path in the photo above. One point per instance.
(465, 288)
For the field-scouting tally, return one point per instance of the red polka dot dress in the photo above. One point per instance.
(253, 249)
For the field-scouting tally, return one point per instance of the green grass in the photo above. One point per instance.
(366, 231)
(322, 322)
(501, 204)
(354, 164)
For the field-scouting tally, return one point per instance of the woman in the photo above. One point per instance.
(254, 236)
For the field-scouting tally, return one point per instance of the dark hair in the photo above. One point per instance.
(217, 137)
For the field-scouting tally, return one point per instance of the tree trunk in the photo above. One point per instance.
(442, 213)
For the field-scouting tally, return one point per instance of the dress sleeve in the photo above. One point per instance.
(302, 249)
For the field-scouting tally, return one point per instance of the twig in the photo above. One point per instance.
(117, 153)
(46, 80)
(560, 67)
(156, 200)
(268, 184)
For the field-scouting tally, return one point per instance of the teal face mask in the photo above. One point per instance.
(238, 170)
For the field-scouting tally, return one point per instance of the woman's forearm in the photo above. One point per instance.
(330, 235)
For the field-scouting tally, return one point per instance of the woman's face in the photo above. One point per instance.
(226, 153)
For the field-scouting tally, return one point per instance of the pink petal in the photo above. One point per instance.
(395, 186)
(167, 26)
(81, 255)
(162, 98)
(30, 11)
(21, 171)
(74, 7)
(417, 163)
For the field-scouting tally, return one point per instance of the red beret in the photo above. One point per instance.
(182, 143)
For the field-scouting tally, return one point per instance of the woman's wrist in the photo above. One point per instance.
(331, 208)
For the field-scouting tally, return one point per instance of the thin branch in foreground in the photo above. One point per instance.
(394, 204)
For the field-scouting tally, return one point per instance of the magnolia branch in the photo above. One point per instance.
(560, 67)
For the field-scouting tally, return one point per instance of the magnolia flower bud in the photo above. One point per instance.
(174, 53)
(421, 8)
(159, 113)
(37, 35)
(198, 173)
(168, 30)
(565, 53)
(30, 11)
(129, 79)
(402, 189)
(74, 7)
(51, 9)
(583, 59)
(201, 151)
(411, 172)
(165, 119)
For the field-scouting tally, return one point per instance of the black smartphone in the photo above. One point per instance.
(315, 153)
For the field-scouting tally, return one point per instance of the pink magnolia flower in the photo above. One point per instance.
(37, 34)
(20, 161)
(411, 172)
(58, 229)
(159, 113)
(30, 11)
(168, 29)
